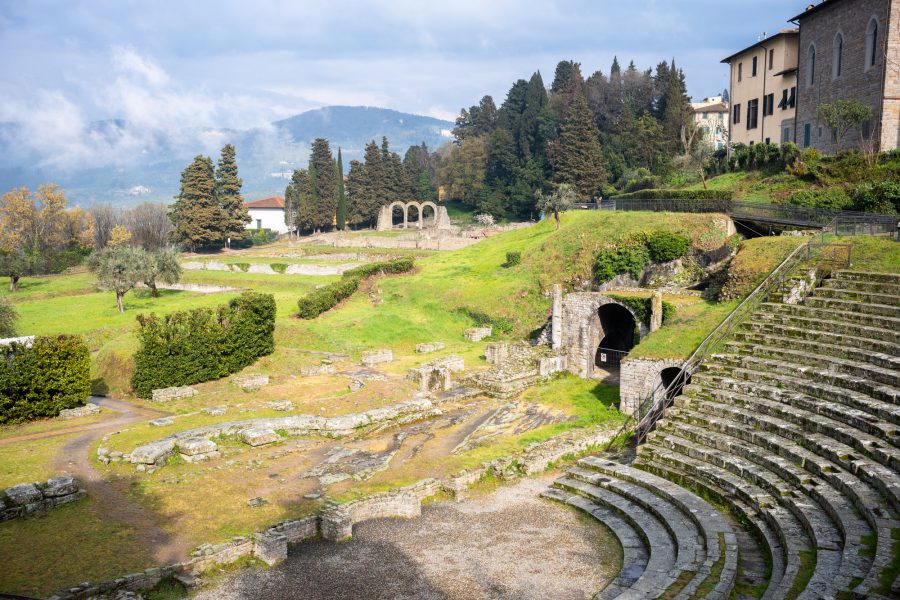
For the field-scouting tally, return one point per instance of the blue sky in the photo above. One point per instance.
(222, 64)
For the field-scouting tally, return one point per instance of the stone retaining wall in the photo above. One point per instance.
(173, 393)
(28, 499)
(638, 377)
(81, 411)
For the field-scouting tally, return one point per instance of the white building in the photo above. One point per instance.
(267, 213)
(711, 117)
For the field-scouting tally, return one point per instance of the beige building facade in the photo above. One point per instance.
(711, 118)
(763, 90)
(850, 49)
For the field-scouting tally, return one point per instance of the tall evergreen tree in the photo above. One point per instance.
(305, 190)
(196, 214)
(341, 215)
(323, 185)
(235, 215)
(359, 195)
(580, 157)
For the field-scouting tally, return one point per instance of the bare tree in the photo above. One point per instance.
(106, 217)
(149, 225)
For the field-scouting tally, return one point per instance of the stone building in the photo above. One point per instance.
(850, 49)
(711, 117)
(764, 90)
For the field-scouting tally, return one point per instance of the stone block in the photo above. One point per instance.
(162, 422)
(196, 445)
(374, 357)
(258, 436)
(356, 384)
(196, 458)
(215, 411)
(430, 347)
(454, 363)
(269, 547)
(552, 364)
(314, 370)
(250, 382)
(476, 334)
(173, 393)
(154, 453)
(60, 486)
(281, 405)
(496, 352)
(23, 494)
(81, 411)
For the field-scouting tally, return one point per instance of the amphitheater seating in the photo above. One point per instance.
(791, 430)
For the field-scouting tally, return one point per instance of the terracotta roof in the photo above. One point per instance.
(273, 202)
(719, 107)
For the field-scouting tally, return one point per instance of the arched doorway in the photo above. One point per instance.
(674, 375)
(398, 215)
(414, 214)
(617, 334)
(426, 220)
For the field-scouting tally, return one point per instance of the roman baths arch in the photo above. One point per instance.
(413, 215)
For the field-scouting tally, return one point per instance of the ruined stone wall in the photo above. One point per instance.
(638, 377)
(28, 499)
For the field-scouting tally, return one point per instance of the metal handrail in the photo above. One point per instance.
(653, 406)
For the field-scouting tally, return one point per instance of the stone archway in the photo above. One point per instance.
(671, 375)
(386, 215)
(434, 213)
(414, 213)
(391, 211)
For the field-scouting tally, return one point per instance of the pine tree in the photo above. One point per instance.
(322, 184)
(581, 160)
(235, 215)
(342, 196)
(196, 214)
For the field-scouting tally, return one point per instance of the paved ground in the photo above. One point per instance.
(508, 544)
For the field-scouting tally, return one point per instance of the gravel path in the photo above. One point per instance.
(508, 544)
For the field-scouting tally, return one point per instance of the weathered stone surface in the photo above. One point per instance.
(356, 384)
(251, 382)
(81, 411)
(259, 437)
(313, 370)
(257, 502)
(430, 347)
(374, 357)
(162, 422)
(476, 334)
(215, 411)
(22, 494)
(638, 377)
(194, 446)
(60, 486)
(281, 405)
(496, 352)
(154, 453)
(173, 393)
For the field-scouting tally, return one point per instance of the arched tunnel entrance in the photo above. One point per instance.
(672, 375)
(617, 328)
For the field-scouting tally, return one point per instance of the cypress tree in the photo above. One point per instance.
(196, 214)
(235, 215)
(305, 194)
(322, 184)
(581, 159)
(342, 197)
(358, 195)
(375, 181)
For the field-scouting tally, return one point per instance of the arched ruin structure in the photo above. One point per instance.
(440, 218)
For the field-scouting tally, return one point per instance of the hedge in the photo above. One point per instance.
(662, 194)
(665, 246)
(44, 378)
(512, 259)
(326, 297)
(188, 347)
(643, 307)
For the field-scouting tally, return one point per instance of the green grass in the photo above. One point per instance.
(876, 254)
(38, 552)
(684, 332)
(804, 573)
(26, 462)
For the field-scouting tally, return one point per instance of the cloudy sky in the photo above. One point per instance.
(229, 64)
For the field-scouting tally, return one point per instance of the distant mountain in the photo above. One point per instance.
(119, 162)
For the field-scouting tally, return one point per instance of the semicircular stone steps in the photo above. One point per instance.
(794, 429)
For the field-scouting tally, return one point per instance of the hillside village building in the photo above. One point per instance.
(850, 49)
(763, 90)
(711, 117)
(267, 213)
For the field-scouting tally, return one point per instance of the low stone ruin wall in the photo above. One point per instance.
(80, 411)
(250, 382)
(257, 432)
(429, 347)
(476, 334)
(265, 269)
(35, 498)
(173, 393)
(371, 358)
(436, 376)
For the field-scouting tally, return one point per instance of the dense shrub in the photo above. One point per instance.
(638, 179)
(324, 298)
(42, 379)
(279, 267)
(8, 318)
(241, 265)
(629, 258)
(880, 197)
(831, 198)
(260, 237)
(678, 195)
(512, 259)
(499, 324)
(199, 345)
(665, 246)
(643, 307)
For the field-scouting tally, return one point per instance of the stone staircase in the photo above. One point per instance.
(790, 433)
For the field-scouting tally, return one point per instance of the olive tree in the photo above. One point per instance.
(162, 266)
(120, 269)
(842, 115)
(562, 199)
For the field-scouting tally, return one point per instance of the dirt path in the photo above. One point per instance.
(74, 459)
(506, 544)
